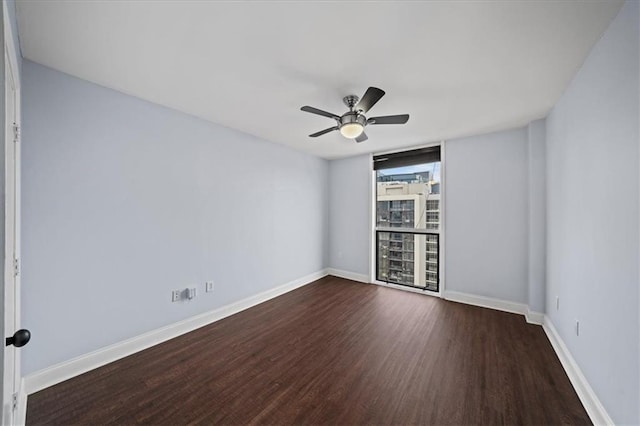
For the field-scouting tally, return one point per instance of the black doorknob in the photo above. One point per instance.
(19, 338)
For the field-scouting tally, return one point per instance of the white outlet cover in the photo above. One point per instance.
(209, 286)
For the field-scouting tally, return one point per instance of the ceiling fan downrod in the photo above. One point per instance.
(350, 101)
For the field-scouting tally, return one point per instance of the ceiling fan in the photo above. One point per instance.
(351, 124)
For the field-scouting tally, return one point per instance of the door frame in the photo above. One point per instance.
(12, 304)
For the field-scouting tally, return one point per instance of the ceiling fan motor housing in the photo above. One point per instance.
(353, 117)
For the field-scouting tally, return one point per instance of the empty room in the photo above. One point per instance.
(321, 212)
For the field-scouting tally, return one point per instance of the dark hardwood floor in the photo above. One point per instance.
(333, 352)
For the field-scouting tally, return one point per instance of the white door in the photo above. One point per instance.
(11, 367)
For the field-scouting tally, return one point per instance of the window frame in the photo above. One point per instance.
(373, 245)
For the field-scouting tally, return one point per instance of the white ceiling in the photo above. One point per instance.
(459, 68)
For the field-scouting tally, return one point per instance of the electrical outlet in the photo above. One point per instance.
(577, 328)
(191, 293)
(208, 286)
(557, 303)
(176, 295)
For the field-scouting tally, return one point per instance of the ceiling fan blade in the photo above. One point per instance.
(313, 110)
(389, 119)
(363, 137)
(371, 96)
(322, 132)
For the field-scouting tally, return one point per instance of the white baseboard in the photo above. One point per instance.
(530, 316)
(588, 397)
(50, 376)
(533, 317)
(486, 302)
(349, 275)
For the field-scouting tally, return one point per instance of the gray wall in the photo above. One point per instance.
(536, 146)
(124, 201)
(349, 214)
(486, 215)
(486, 204)
(593, 215)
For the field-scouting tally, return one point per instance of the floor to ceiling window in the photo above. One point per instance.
(408, 218)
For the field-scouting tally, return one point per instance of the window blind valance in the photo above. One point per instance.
(407, 158)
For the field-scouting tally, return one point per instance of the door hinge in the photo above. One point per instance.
(14, 402)
(16, 266)
(16, 133)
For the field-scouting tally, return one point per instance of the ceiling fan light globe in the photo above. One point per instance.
(351, 130)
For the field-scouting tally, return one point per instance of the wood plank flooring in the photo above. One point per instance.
(333, 352)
